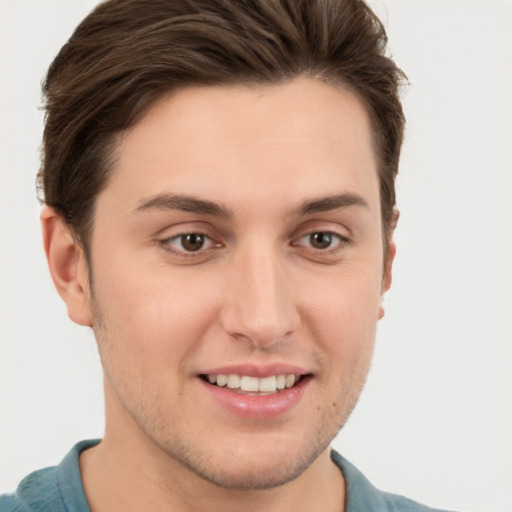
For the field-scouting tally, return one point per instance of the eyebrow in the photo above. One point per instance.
(191, 204)
(328, 203)
(184, 203)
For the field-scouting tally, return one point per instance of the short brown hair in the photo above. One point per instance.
(128, 53)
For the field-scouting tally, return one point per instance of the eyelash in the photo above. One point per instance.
(166, 244)
(342, 242)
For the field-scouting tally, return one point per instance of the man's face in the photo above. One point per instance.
(240, 236)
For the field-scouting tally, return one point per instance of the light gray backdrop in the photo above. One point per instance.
(435, 420)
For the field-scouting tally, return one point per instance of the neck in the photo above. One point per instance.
(119, 478)
(129, 471)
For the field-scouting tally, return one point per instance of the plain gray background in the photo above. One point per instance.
(435, 420)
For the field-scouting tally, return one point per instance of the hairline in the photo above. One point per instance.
(113, 140)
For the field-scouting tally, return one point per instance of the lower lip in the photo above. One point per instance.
(257, 406)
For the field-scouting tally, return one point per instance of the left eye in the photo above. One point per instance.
(322, 240)
(189, 242)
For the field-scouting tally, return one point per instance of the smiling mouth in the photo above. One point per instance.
(247, 385)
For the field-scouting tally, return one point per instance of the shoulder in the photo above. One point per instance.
(362, 496)
(395, 503)
(36, 492)
(53, 489)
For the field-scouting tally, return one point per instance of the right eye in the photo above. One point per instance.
(188, 243)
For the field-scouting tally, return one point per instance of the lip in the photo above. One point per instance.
(260, 371)
(257, 406)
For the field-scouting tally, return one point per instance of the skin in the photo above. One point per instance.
(259, 291)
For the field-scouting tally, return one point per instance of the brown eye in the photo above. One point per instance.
(187, 243)
(192, 241)
(321, 240)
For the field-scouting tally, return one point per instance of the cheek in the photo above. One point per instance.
(345, 304)
(341, 317)
(153, 314)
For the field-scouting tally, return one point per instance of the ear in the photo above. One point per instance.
(387, 274)
(68, 266)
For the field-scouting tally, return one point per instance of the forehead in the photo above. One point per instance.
(242, 141)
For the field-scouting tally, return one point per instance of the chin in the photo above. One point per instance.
(243, 476)
(254, 461)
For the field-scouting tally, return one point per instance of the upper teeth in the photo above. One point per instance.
(253, 384)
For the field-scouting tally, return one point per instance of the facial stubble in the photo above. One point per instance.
(180, 449)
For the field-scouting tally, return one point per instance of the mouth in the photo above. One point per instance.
(249, 385)
(257, 393)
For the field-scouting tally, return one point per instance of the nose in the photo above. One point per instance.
(260, 304)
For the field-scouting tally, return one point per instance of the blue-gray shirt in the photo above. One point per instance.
(60, 489)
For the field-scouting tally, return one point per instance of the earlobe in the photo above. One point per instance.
(391, 252)
(388, 273)
(387, 276)
(68, 266)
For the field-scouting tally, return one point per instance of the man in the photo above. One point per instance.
(218, 181)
